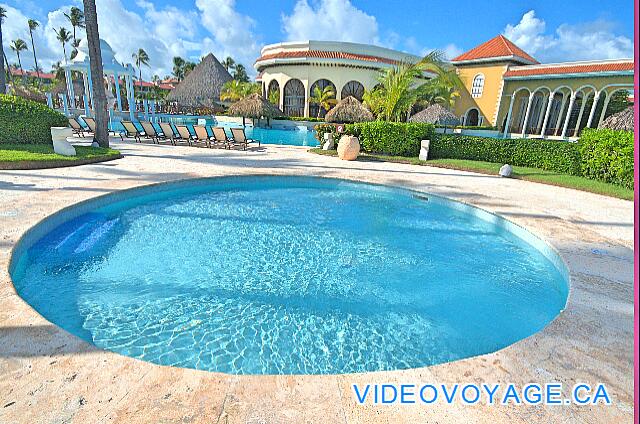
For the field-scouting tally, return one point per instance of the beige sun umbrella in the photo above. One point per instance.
(619, 121)
(349, 110)
(254, 106)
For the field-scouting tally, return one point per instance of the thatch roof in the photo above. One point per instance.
(254, 106)
(61, 87)
(202, 86)
(619, 121)
(349, 110)
(435, 114)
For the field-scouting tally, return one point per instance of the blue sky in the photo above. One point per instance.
(549, 30)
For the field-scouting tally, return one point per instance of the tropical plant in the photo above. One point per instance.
(235, 90)
(324, 98)
(178, 68)
(400, 87)
(228, 63)
(76, 19)
(63, 36)
(17, 46)
(101, 134)
(274, 97)
(3, 82)
(240, 73)
(188, 67)
(74, 52)
(33, 24)
(140, 58)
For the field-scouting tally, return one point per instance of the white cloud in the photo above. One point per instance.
(231, 32)
(334, 20)
(592, 40)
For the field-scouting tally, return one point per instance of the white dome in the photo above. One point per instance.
(109, 61)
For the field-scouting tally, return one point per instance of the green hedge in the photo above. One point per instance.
(607, 155)
(559, 156)
(389, 138)
(24, 121)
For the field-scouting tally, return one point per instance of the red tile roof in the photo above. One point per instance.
(572, 68)
(43, 75)
(498, 46)
(319, 54)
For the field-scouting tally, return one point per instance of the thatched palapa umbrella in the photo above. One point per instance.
(437, 115)
(254, 106)
(202, 86)
(619, 121)
(347, 111)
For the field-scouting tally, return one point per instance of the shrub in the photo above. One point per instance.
(392, 138)
(559, 156)
(607, 155)
(24, 121)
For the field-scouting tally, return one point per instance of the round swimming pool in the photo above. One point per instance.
(288, 275)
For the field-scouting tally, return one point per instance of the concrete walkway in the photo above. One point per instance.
(47, 375)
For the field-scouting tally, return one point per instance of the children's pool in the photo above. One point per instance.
(288, 275)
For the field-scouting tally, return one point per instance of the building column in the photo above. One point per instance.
(85, 81)
(561, 112)
(127, 79)
(526, 115)
(49, 100)
(545, 121)
(583, 103)
(508, 122)
(607, 99)
(118, 97)
(566, 120)
(596, 98)
(306, 100)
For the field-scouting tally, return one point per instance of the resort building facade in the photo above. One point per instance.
(504, 86)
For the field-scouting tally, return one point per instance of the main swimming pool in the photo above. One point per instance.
(298, 135)
(288, 275)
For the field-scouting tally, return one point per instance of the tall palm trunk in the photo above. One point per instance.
(3, 82)
(97, 78)
(24, 78)
(35, 58)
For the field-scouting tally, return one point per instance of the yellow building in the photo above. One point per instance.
(504, 87)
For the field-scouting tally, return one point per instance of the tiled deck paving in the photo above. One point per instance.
(48, 376)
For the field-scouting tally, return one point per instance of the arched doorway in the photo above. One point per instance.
(352, 88)
(314, 109)
(472, 118)
(273, 93)
(294, 98)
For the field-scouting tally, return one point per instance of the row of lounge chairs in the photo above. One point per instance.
(168, 133)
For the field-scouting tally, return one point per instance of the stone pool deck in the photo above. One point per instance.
(49, 376)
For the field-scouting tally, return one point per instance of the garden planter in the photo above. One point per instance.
(61, 146)
(348, 147)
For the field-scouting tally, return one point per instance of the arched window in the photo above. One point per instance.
(477, 86)
(294, 98)
(314, 108)
(352, 88)
(473, 118)
(273, 93)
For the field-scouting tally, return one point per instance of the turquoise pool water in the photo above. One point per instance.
(288, 275)
(295, 136)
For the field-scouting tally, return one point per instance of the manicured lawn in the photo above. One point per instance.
(519, 172)
(10, 153)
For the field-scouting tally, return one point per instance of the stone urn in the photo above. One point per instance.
(348, 147)
(61, 146)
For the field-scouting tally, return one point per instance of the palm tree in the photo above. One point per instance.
(101, 134)
(64, 36)
(274, 97)
(17, 46)
(240, 73)
(235, 90)
(3, 82)
(188, 67)
(324, 98)
(178, 67)
(229, 63)
(75, 44)
(76, 19)
(33, 24)
(140, 58)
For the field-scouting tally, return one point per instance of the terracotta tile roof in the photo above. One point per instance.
(43, 75)
(498, 46)
(166, 86)
(570, 69)
(319, 54)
